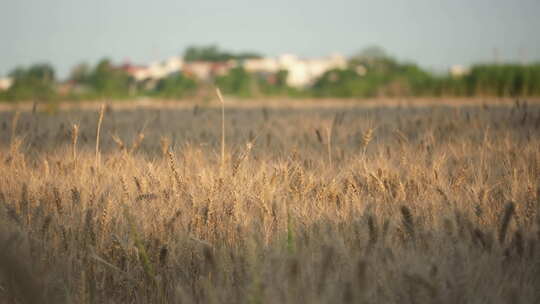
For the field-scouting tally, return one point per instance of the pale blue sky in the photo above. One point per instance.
(433, 33)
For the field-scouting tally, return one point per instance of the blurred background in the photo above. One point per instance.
(69, 50)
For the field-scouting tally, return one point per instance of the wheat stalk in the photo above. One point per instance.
(220, 97)
(366, 138)
(174, 171)
(505, 221)
(118, 142)
(100, 120)
(329, 143)
(74, 139)
(407, 220)
(14, 125)
(137, 142)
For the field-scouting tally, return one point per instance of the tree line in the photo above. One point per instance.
(370, 73)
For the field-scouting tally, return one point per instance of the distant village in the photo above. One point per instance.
(369, 73)
(301, 72)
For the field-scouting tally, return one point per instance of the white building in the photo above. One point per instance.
(301, 72)
(265, 65)
(458, 70)
(206, 70)
(5, 83)
(158, 70)
(173, 64)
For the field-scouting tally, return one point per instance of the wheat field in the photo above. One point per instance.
(295, 204)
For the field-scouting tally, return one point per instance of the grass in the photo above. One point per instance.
(430, 204)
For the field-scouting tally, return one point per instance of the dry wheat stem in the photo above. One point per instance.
(329, 143)
(100, 120)
(220, 97)
(74, 138)
(14, 125)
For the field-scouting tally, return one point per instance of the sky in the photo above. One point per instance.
(435, 34)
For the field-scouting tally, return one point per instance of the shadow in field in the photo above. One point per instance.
(402, 258)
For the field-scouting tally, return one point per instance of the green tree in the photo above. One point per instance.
(80, 73)
(34, 82)
(372, 72)
(214, 54)
(175, 86)
(108, 81)
(504, 80)
(238, 82)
